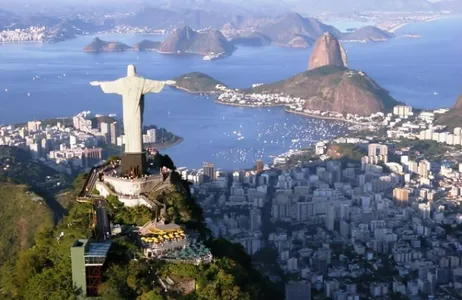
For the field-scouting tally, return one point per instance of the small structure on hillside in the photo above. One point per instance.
(87, 260)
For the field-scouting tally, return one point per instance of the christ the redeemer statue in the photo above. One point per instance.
(132, 89)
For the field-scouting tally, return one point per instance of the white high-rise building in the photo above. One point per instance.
(72, 141)
(319, 148)
(330, 218)
(403, 111)
(106, 131)
(34, 126)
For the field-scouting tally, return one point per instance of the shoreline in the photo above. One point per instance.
(401, 25)
(248, 106)
(295, 112)
(193, 92)
(323, 117)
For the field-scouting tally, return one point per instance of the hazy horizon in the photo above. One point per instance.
(297, 5)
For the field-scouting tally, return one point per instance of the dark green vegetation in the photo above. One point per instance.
(44, 270)
(147, 45)
(423, 149)
(197, 82)
(347, 152)
(299, 159)
(22, 214)
(226, 277)
(28, 205)
(337, 89)
(18, 166)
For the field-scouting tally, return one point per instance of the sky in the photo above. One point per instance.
(296, 4)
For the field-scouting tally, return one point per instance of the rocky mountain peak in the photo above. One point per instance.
(327, 51)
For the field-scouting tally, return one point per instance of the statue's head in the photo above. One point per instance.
(131, 71)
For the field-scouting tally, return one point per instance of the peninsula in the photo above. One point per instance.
(368, 34)
(198, 83)
(327, 89)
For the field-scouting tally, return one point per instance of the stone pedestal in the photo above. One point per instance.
(134, 164)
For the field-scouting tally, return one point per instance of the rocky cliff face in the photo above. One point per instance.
(458, 104)
(187, 40)
(327, 51)
(452, 118)
(98, 45)
(335, 89)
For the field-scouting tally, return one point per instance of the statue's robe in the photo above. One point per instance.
(132, 89)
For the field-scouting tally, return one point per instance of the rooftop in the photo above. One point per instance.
(99, 249)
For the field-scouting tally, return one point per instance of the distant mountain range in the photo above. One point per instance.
(372, 5)
(162, 18)
(289, 29)
(294, 30)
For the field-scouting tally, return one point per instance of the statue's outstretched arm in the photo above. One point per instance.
(110, 87)
(153, 86)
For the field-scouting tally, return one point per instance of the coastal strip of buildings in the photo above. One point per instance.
(70, 147)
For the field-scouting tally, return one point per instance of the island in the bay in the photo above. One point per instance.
(328, 88)
(211, 44)
(98, 45)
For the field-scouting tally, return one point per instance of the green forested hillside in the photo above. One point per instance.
(21, 217)
(43, 272)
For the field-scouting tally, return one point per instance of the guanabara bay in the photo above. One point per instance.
(230, 150)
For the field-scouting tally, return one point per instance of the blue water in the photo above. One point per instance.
(411, 69)
(344, 25)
